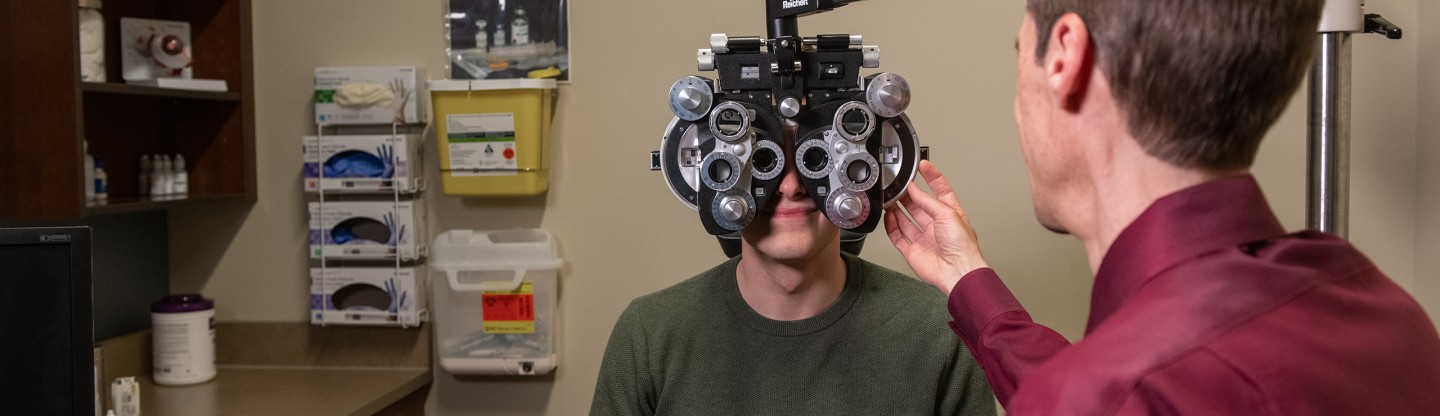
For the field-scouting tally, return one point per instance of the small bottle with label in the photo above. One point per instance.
(144, 176)
(482, 35)
(102, 182)
(180, 181)
(89, 180)
(160, 177)
(520, 28)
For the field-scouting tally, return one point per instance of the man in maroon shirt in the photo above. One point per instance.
(1138, 122)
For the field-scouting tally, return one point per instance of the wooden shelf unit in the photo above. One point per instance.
(45, 111)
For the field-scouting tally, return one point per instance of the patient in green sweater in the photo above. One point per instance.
(790, 327)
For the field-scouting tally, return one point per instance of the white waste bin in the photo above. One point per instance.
(495, 298)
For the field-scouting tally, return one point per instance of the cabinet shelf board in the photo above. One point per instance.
(148, 91)
(115, 206)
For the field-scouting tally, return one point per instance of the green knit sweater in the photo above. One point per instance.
(697, 348)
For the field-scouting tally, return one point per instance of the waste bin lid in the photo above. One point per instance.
(490, 84)
(530, 249)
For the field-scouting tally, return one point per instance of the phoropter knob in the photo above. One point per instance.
(732, 208)
(847, 209)
(691, 98)
(887, 94)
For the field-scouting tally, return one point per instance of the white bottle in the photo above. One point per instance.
(159, 177)
(168, 171)
(102, 182)
(520, 28)
(482, 38)
(180, 181)
(144, 175)
(89, 180)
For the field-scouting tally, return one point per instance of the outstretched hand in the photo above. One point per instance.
(402, 97)
(387, 160)
(939, 244)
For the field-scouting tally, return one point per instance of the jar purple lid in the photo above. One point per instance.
(184, 302)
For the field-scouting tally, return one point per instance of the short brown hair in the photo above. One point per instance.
(1201, 81)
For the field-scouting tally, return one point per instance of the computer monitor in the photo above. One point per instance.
(47, 335)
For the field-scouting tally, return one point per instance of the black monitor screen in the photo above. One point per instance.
(46, 332)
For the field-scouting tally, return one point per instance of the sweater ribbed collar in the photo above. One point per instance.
(730, 289)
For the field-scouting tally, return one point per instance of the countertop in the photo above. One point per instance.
(287, 369)
(277, 390)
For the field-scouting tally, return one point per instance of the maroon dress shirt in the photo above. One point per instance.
(1204, 305)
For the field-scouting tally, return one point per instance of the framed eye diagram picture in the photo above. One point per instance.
(500, 39)
(152, 49)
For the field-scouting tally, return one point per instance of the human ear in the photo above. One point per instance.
(1069, 60)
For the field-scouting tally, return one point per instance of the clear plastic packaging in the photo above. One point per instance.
(494, 39)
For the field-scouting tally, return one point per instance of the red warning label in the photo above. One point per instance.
(509, 312)
(509, 307)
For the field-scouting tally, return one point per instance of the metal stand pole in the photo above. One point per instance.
(1328, 196)
(1328, 193)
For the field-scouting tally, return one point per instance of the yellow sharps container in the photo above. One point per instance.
(494, 135)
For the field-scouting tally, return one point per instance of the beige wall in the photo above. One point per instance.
(623, 235)
(1383, 139)
(1427, 246)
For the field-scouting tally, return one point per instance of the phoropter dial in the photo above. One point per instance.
(858, 172)
(733, 209)
(691, 98)
(854, 121)
(812, 159)
(721, 171)
(887, 94)
(847, 209)
(768, 161)
(730, 121)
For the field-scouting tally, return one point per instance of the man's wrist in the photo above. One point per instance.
(954, 280)
(948, 285)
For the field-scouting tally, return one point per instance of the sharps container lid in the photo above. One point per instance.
(184, 302)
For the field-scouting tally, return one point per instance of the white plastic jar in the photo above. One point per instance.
(92, 41)
(183, 339)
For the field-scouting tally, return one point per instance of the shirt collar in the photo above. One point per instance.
(1177, 228)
